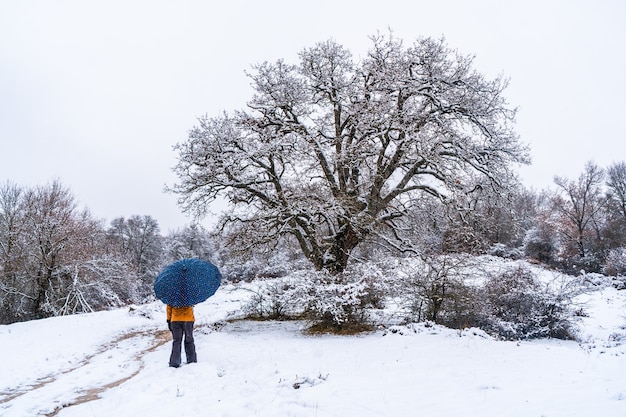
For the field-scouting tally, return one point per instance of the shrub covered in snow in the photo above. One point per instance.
(341, 302)
(435, 289)
(615, 263)
(503, 251)
(539, 244)
(510, 302)
(519, 306)
(330, 302)
(277, 299)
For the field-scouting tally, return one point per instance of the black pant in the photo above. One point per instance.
(180, 328)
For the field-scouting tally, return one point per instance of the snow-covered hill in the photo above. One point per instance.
(115, 364)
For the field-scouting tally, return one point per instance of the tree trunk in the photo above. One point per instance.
(338, 254)
(44, 279)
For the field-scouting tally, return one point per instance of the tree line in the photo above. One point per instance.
(56, 258)
(581, 224)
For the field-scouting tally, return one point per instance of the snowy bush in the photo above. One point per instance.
(615, 263)
(278, 299)
(539, 244)
(503, 251)
(331, 302)
(463, 239)
(581, 264)
(519, 306)
(340, 303)
(336, 303)
(435, 290)
(92, 286)
(619, 282)
(510, 303)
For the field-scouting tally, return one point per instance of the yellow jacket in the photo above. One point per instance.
(180, 313)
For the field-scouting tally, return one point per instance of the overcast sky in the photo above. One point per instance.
(96, 93)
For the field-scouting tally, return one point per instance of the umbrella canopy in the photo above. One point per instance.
(187, 282)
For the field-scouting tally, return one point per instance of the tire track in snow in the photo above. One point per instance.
(84, 382)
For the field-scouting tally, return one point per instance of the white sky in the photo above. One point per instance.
(96, 93)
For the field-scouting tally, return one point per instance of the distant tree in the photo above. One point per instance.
(614, 230)
(192, 241)
(505, 216)
(49, 215)
(616, 181)
(526, 204)
(616, 203)
(56, 259)
(139, 241)
(58, 238)
(13, 252)
(11, 219)
(332, 150)
(542, 240)
(487, 217)
(579, 203)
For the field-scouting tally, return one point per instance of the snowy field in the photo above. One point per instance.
(115, 363)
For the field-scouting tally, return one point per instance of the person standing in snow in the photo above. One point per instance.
(180, 321)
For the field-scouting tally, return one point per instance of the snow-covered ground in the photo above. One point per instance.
(115, 363)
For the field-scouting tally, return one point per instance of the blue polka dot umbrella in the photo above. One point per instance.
(187, 282)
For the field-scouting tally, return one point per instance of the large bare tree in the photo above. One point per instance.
(332, 150)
